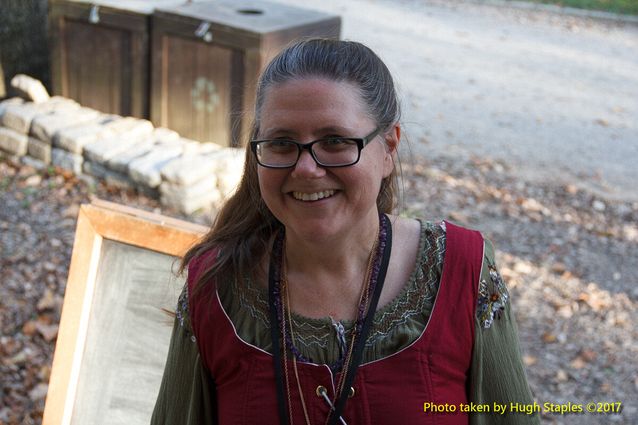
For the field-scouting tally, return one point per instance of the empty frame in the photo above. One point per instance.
(114, 332)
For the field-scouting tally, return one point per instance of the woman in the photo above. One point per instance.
(309, 303)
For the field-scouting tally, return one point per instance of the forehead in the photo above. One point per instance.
(312, 102)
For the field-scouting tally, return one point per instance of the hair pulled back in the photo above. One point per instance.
(244, 226)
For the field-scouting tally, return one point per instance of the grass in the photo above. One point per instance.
(627, 7)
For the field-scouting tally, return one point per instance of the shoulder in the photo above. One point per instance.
(199, 265)
(200, 286)
(405, 230)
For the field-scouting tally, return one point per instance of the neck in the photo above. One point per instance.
(326, 276)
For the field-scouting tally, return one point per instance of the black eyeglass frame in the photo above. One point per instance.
(361, 142)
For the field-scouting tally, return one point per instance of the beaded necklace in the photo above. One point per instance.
(350, 358)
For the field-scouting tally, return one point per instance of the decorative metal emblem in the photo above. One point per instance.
(204, 95)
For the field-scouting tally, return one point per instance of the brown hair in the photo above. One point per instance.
(244, 226)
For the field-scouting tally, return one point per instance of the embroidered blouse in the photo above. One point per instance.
(396, 325)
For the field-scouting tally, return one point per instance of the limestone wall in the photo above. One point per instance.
(128, 152)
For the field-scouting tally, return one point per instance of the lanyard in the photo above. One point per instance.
(274, 276)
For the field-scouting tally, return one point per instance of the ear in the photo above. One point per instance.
(392, 139)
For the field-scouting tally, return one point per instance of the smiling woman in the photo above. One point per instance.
(318, 112)
(309, 301)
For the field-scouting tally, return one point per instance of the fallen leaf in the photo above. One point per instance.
(48, 332)
(33, 180)
(561, 376)
(578, 363)
(571, 189)
(47, 301)
(29, 328)
(39, 392)
(559, 268)
(588, 355)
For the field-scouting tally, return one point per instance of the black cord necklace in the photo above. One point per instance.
(362, 327)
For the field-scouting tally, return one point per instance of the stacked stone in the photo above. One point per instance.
(188, 179)
(123, 151)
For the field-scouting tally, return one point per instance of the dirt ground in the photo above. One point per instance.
(521, 124)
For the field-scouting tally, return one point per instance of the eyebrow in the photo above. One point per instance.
(292, 134)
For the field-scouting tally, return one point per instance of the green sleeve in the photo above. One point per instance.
(497, 374)
(187, 393)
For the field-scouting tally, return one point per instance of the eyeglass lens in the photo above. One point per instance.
(329, 152)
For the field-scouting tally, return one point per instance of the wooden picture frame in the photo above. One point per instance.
(112, 322)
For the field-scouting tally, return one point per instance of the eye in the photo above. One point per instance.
(280, 146)
(334, 144)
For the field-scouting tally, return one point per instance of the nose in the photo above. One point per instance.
(307, 167)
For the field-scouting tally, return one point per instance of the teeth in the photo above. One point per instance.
(312, 196)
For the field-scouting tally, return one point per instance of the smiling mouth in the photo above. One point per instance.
(300, 196)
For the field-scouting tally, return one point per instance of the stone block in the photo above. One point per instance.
(109, 177)
(75, 138)
(67, 160)
(94, 169)
(119, 180)
(59, 104)
(45, 127)
(35, 163)
(39, 150)
(146, 169)
(19, 116)
(188, 169)
(192, 204)
(7, 103)
(199, 148)
(179, 194)
(229, 167)
(121, 161)
(13, 142)
(30, 88)
(102, 150)
(132, 128)
(165, 136)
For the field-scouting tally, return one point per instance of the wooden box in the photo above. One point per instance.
(207, 56)
(100, 52)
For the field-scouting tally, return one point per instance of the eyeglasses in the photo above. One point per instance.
(327, 152)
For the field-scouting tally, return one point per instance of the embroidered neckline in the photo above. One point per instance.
(404, 308)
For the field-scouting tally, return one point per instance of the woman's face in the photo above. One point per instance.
(312, 201)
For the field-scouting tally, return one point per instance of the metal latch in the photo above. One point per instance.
(94, 14)
(203, 32)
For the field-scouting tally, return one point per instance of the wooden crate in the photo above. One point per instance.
(100, 52)
(206, 57)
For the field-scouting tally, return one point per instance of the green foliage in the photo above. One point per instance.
(627, 7)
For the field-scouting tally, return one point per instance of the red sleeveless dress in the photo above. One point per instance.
(391, 390)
